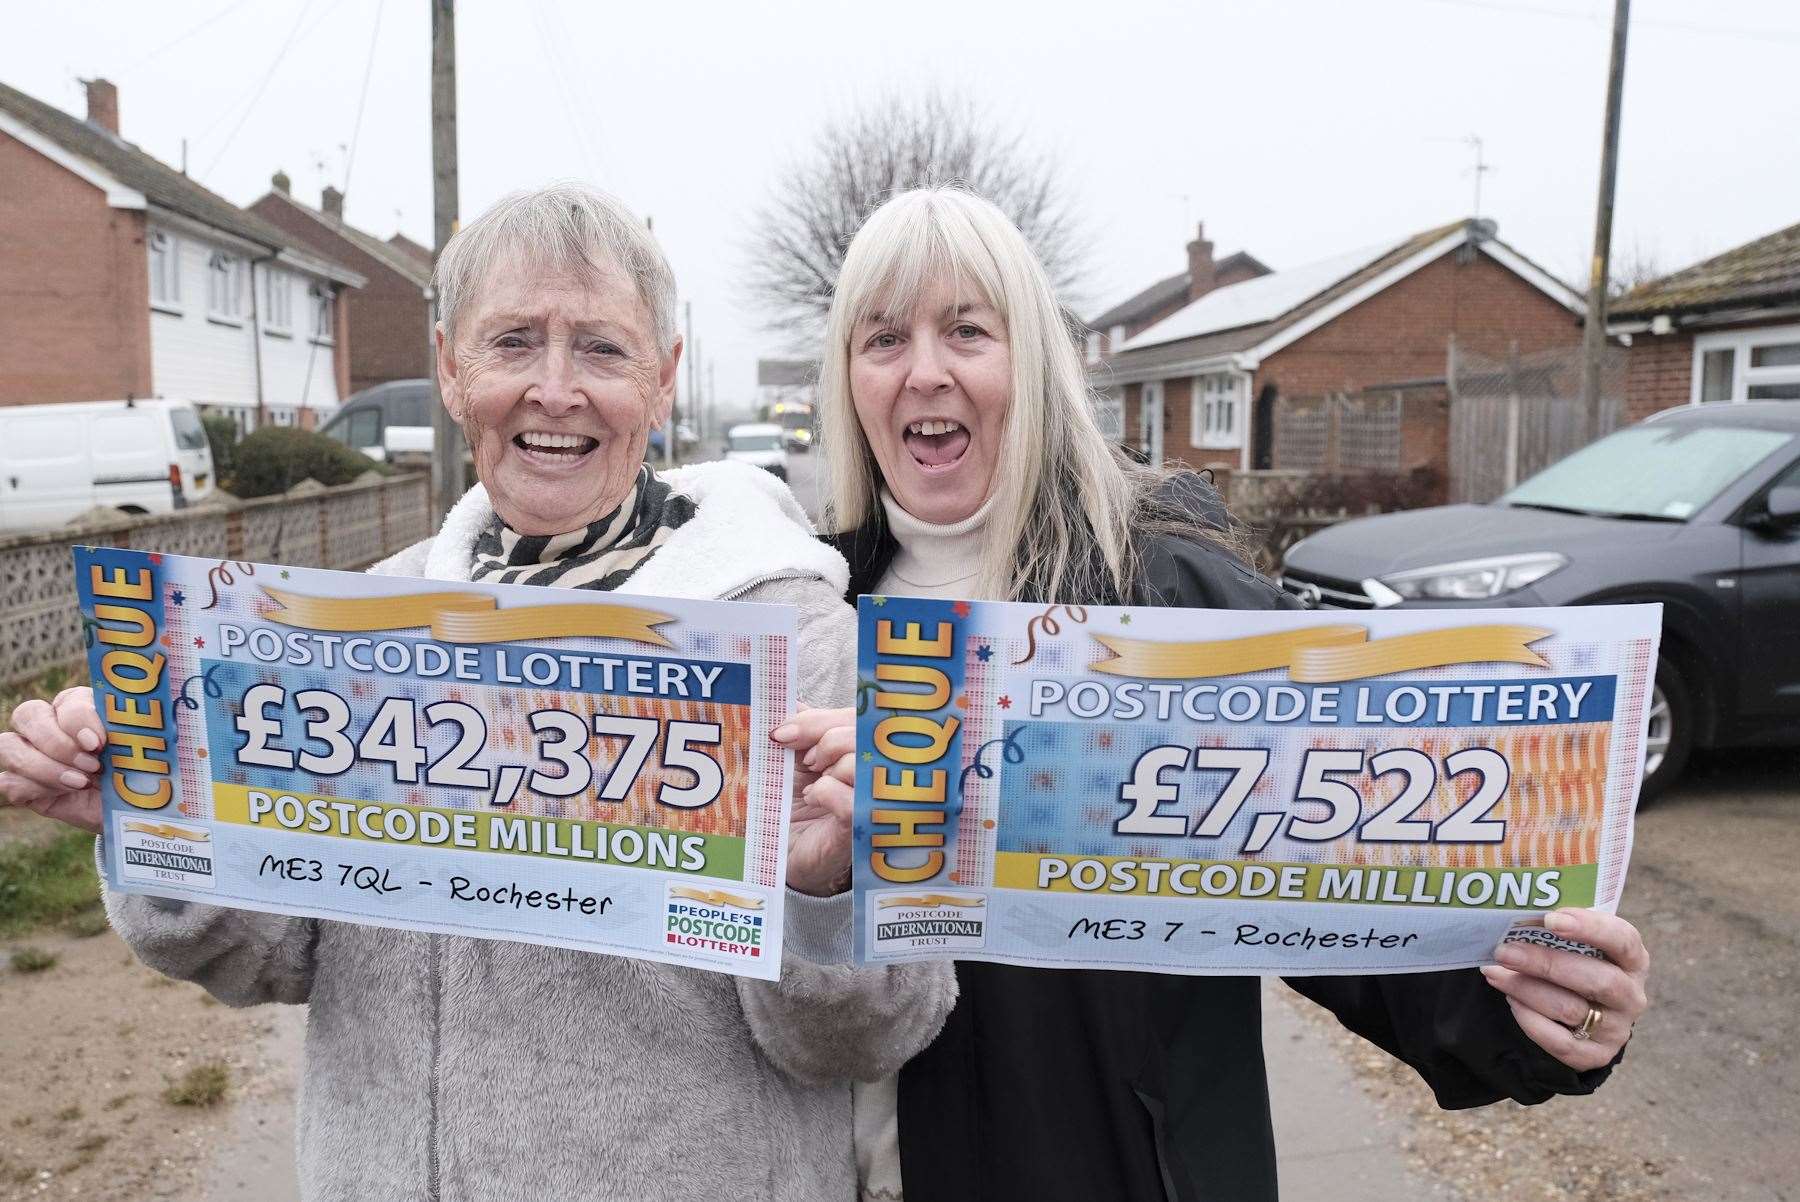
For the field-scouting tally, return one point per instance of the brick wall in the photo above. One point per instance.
(1659, 374)
(386, 317)
(74, 287)
(1402, 333)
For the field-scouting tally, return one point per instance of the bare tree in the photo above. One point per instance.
(1632, 269)
(857, 162)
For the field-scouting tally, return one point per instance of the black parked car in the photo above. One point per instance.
(1698, 508)
(389, 422)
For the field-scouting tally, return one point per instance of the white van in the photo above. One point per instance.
(758, 443)
(59, 461)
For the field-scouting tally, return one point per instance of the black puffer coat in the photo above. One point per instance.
(1095, 1086)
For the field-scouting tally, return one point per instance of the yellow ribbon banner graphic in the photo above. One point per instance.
(1322, 654)
(160, 831)
(468, 617)
(716, 897)
(930, 901)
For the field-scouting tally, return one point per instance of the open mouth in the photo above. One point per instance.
(936, 444)
(543, 447)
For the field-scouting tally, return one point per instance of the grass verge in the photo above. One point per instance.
(33, 959)
(46, 882)
(203, 1085)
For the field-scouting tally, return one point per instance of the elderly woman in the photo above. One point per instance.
(440, 1067)
(965, 462)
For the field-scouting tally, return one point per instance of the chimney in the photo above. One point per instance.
(281, 181)
(103, 104)
(332, 202)
(1202, 274)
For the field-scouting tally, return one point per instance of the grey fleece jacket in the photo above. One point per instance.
(447, 1069)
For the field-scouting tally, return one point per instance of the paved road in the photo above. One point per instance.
(806, 478)
(1711, 1082)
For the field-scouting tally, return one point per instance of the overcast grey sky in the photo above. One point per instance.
(1296, 129)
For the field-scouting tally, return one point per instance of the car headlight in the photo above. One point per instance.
(1474, 579)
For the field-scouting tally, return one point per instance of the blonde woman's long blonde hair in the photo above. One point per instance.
(1069, 510)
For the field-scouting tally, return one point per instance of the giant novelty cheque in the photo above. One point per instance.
(1201, 791)
(475, 759)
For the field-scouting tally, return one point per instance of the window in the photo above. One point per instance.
(165, 271)
(190, 435)
(1117, 340)
(1748, 365)
(224, 287)
(364, 428)
(1216, 415)
(278, 301)
(1715, 375)
(321, 307)
(1093, 348)
(1653, 471)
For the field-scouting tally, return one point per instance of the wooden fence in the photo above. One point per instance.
(348, 527)
(1512, 418)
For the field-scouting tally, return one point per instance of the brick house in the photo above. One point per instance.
(390, 315)
(1726, 329)
(121, 277)
(1203, 384)
(1141, 310)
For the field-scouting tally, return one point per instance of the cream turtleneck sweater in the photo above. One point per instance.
(934, 561)
(941, 562)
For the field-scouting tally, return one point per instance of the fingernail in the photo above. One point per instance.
(88, 739)
(1490, 971)
(74, 780)
(1559, 921)
(87, 763)
(808, 759)
(781, 734)
(1510, 954)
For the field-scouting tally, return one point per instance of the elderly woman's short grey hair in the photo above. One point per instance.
(566, 226)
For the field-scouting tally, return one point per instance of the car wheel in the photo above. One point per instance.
(1669, 734)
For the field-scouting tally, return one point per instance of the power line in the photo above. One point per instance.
(368, 74)
(1539, 10)
(616, 177)
(204, 25)
(565, 92)
(257, 91)
(295, 36)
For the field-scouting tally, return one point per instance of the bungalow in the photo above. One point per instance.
(1727, 329)
(122, 277)
(1203, 383)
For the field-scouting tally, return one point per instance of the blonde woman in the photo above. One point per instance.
(965, 462)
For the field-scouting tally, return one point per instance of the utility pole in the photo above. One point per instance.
(446, 439)
(1593, 341)
(687, 347)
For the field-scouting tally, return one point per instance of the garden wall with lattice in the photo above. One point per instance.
(348, 527)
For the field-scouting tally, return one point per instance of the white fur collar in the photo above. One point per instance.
(746, 526)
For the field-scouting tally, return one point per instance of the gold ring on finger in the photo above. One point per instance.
(1586, 1029)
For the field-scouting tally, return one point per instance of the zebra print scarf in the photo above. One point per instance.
(601, 556)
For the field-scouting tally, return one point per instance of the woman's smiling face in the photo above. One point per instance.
(556, 381)
(931, 390)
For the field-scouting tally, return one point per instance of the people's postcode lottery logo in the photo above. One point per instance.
(164, 852)
(724, 922)
(926, 919)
